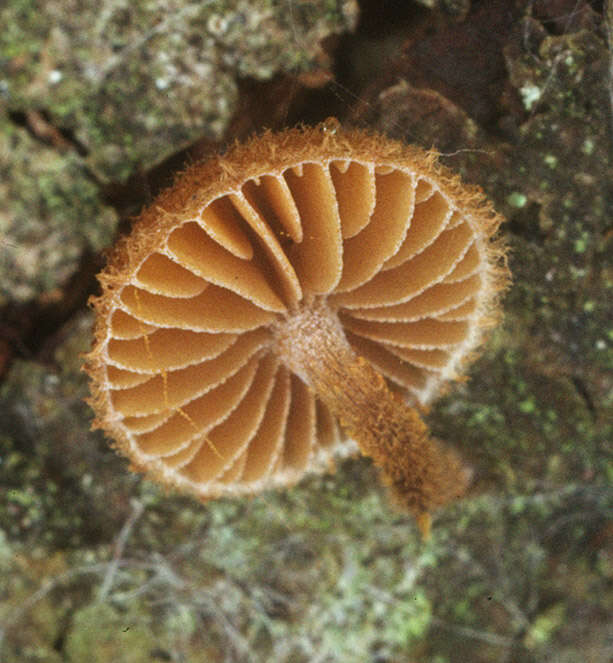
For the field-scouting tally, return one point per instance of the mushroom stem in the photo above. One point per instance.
(421, 472)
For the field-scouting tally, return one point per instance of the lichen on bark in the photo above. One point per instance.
(523, 569)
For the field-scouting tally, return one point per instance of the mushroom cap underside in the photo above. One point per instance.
(184, 373)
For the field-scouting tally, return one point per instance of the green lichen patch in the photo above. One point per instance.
(521, 423)
(511, 577)
(136, 82)
(99, 633)
(551, 372)
(22, 569)
(50, 214)
(562, 253)
(283, 571)
(521, 570)
(52, 469)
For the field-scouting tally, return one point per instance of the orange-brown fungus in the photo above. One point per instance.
(289, 302)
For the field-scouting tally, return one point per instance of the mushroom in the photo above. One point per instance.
(294, 301)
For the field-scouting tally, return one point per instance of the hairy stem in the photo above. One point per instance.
(420, 471)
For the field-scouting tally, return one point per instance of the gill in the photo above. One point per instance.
(164, 374)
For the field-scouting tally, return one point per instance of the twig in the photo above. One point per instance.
(47, 587)
(484, 636)
(137, 511)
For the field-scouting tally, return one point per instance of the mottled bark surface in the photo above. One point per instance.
(98, 107)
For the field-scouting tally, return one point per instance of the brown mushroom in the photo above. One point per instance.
(291, 302)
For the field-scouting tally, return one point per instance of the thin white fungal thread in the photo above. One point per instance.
(164, 373)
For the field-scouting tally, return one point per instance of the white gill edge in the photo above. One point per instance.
(475, 331)
(345, 447)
